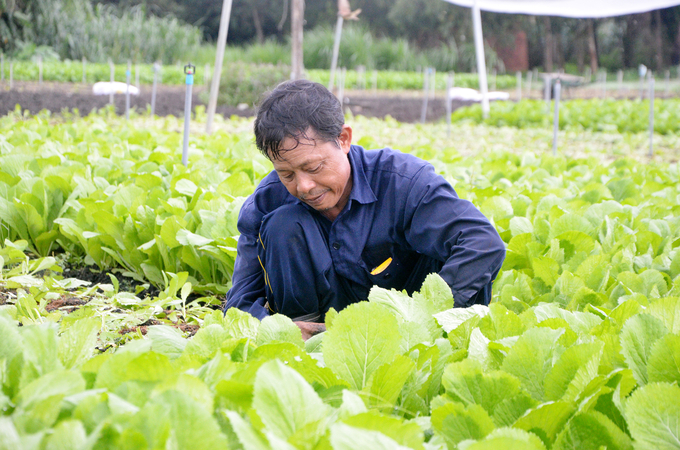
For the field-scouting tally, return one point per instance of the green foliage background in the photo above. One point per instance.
(578, 349)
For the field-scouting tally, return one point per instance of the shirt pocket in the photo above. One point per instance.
(387, 265)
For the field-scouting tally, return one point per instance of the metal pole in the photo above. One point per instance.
(84, 71)
(156, 69)
(113, 73)
(519, 85)
(651, 114)
(219, 57)
(449, 85)
(336, 51)
(423, 111)
(127, 90)
(556, 118)
(189, 70)
(481, 63)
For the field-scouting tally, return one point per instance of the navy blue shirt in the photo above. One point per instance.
(399, 207)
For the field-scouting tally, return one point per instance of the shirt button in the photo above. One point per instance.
(336, 245)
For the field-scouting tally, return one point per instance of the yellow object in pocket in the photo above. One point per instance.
(381, 268)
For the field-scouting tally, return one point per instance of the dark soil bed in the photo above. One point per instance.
(55, 97)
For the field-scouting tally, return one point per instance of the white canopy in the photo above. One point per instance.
(568, 8)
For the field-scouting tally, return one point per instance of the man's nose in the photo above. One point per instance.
(305, 184)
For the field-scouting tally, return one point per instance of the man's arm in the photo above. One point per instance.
(441, 225)
(248, 290)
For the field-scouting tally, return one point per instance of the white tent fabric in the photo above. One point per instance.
(568, 8)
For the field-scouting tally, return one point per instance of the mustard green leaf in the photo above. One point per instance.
(507, 439)
(531, 359)
(279, 328)
(345, 437)
(363, 337)
(663, 363)
(592, 431)
(455, 423)
(285, 401)
(653, 415)
(638, 335)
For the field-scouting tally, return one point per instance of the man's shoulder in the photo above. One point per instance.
(268, 195)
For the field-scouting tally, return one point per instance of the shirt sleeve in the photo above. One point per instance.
(441, 225)
(248, 289)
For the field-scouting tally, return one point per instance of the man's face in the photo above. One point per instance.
(317, 172)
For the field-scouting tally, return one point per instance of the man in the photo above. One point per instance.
(332, 219)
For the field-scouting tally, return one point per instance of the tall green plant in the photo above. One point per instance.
(75, 29)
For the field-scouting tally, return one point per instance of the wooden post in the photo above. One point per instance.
(449, 85)
(296, 21)
(40, 70)
(219, 58)
(651, 114)
(433, 83)
(423, 111)
(336, 51)
(113, 74)
(546, 92)
(556, 117)
(530, 76)
(127, 89)
(156, 70)
(361, 77)
(341, 86)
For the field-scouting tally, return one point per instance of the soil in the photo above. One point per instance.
(55, 97)
(125, 284)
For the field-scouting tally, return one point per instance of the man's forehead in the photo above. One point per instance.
(299, 157)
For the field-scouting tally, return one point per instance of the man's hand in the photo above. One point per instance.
(310, 329)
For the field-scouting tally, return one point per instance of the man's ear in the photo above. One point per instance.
(345, 138)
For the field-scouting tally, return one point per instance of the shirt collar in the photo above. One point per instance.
(361, 189)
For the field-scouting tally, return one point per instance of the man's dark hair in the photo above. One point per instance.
(291, 110)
